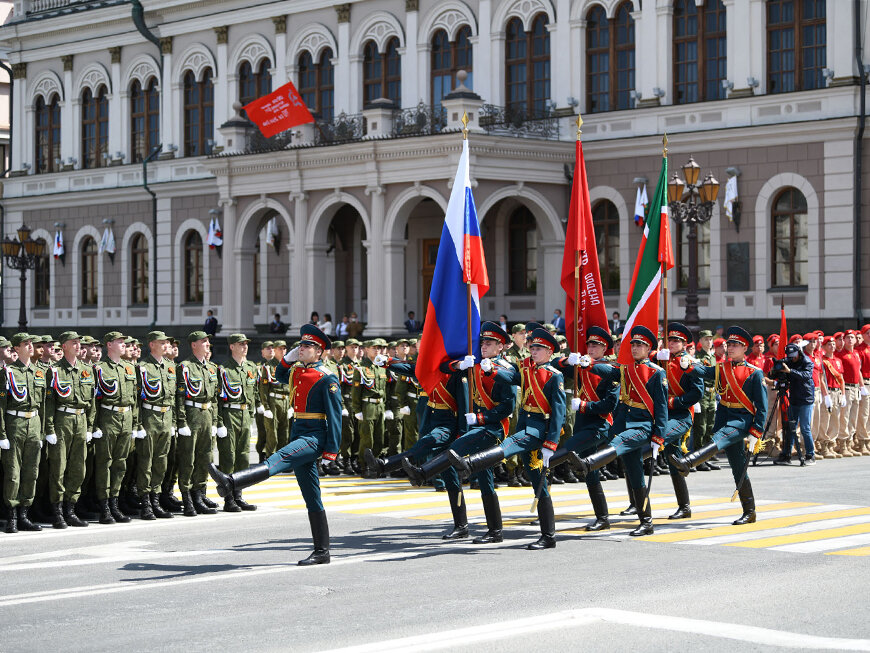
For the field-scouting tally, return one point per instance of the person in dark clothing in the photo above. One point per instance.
(211, 324)
(801, 391)
(277, 326)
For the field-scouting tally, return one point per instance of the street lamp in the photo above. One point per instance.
(690, 203)
(22, 254)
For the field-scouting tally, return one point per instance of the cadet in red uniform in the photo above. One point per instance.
(834, 400)
(863, 349)
(316, 433)
(854, 391)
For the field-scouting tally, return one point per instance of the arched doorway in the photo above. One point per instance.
(346, 270)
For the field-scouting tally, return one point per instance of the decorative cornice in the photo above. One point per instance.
(222, 34)
(115, 54)
(19, 70)
(412, 5)
(67, 62)
(343, 13)
(280, 23)
(166, 45)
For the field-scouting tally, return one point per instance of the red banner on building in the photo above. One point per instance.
(279, 111)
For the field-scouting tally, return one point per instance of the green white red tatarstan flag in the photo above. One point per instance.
(655, 253)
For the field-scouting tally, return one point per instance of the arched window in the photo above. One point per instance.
(703, 235)
(790, 239)
(95, 128)
(527, 66)
(42, 279)
(193, 285)
(448, 58)
(47, 124)
(796, 44)
(198, 113)
(609, 59)
(139, 270)
(605, 219)
(699, 51)
(254, 84)
(144, 119)
(317, 84)
(522, 252)
(382, 75)
(89, 272)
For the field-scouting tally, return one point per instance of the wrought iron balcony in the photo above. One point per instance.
(513, 121)
(34, 9)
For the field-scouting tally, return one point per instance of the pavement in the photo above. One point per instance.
(795, 580)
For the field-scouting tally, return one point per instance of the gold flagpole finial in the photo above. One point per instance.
(465, 126)
(579, 124)
(665, 145)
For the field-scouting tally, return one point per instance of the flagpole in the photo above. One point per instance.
(577, 279)
(663, 267)
(468, 295)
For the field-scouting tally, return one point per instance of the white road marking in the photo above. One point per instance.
(845, 542)
(586, 616)
(782, 530)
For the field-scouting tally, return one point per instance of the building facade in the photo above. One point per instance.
(345, 215)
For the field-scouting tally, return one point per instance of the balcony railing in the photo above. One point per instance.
(511, 121)
(420, 120)
(39, 8)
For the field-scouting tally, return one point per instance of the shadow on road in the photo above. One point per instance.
(174, 572)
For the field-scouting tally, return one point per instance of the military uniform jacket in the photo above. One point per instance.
(117, 384)
(268, 383)
(708, 359)
(157, 381)
(369, 388)
(741, 390)
(516, 355)
(22, 389)
(542, 397)
(493, 398)
(447, 404)
(684, 390)
(70, 387)
(315, 398)
(642, 393)
(197, 381)
(238, 384)
(598, 396)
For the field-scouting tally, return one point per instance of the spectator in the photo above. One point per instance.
(354, 327)
(326, 325)
(801, 394)
(559, 322)
(211, 324)
(315, 318)
(616, 325)
(411, 324)
(341, 328)
(502, 322)
(277, 326)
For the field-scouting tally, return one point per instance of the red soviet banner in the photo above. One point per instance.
(279, 111)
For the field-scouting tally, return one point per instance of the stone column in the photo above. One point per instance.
(316, 291)
(738, 51)
(221, 78)
(168, 118)
(299, 276)
(840, 56)
(377, 278)
(645, 42)
(117, 115)
(394, 269)
(346, 96)
(412, 92)
(238, 307)
(70, 142)
(22, 146)
(560, 43)
(169, 265)
(548, 275)
(279, 76)
(483, 51)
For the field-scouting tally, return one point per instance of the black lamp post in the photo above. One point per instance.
(690, 203)
(22, 254)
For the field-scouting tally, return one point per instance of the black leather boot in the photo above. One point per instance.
(320, 535)
(632, 508)
(228, 483)
(681, 491)
(687, 462)
(24, 523)
(492, 510)
(169, 503)
(208, 502)
(460, 518)
(417, 476)
(59, 521)
(241, 503)
(70, 515)
(383, 465)
(12, 521)
(644, 512)
(522, 478)
(599, 505)
(189, 510)
(105, 513)
(145, 511)
(199, 504)
(548, 525)
(747, 500)
(472, 464)
(596, 461)
(159, 512)
(230, 505)
(117, 515)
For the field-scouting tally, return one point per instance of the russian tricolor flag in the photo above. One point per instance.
(460, 264)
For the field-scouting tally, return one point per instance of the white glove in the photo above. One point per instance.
(344, 412)
(655, 450)
(663, 355)
(388, 414)
(289, 413)
(753, 441)
(253, 430)
(685, 363)
(471, 419)
(4, 444)
(184, 430)
(51, 438)
(546, 454)
(574, 358)
(864, 392)
(174, 432)
(268, 414)
(466, 362)
(404, 410)
(696, 408)
(380, 360)
(213, 431)
(358, 415)
(221, 431)
(575, 404)
(260, 409)
(143, 433)
(486, 365)
(292, 356)
(585, 361)
(97, 434)
(828, 402)
(842, 401)
(88, 437)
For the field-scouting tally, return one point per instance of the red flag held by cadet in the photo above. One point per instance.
(279, 111)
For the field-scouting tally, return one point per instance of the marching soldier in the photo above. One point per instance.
(197, 421)
(157, 381)
(266, 353)
(238, 403)
(69, 426)
(368, 400)
(22, 397)
(742, 411)
(276, 401)
(117, 418)
(702, 429)
(516, 354)
(316, 433)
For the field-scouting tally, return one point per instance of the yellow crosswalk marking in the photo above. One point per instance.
(861, 551)
(803, 537)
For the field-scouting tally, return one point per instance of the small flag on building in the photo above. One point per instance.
(107, 242)
(273, 237)
(279, 111)
(730, 197)
(58, 244)
(640, 204)
(215, 235)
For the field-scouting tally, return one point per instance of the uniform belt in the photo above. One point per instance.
(117, 409)
(412, 395)
(156, 409)
(437, 406)
(309, 415)
(729, 404)
(633, 404)
(71, 411)
(852, 385)
(373, 400)
(27, 414)
(536, 412)
(278, 395)
(236, 406)
(201, 405)
(833, 389)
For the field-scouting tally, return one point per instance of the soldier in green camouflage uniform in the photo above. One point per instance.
(117, 418)
(346, 367)
(198, 421)
(702, 428)
(69, 425)
(392, 418)
(369, 396)
(407, 391)
(266, 352)
(275, 397)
